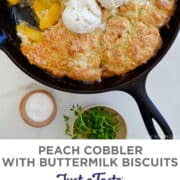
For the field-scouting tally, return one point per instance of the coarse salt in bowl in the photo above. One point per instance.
(38, 108)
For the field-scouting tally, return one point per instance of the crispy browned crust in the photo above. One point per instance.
(124, 51)
(130, 39)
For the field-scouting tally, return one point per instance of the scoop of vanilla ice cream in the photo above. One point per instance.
(82, 16)
(111, 4)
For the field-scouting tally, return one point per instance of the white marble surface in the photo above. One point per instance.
(163, 86)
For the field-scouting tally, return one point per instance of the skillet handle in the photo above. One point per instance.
(148, 110)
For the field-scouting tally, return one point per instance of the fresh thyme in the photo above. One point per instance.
(95, 123)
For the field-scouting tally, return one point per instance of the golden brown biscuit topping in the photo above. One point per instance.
(130, 38)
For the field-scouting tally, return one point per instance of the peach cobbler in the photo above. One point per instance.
(88, 40)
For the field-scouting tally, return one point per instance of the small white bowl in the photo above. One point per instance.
(122, 134)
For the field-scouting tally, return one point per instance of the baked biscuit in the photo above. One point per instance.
(62, 52)
(154, 12)
(129, 38)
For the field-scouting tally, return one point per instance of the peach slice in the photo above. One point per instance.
(52, 16)
(31, 33)
(13, 2)
(41, 6)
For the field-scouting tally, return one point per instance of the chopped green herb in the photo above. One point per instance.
(95, 123)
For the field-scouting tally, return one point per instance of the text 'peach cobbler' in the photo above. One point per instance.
(88, 40)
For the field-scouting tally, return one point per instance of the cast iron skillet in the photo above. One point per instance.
(133, 83)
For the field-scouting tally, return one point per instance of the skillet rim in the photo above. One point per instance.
(92, 88)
